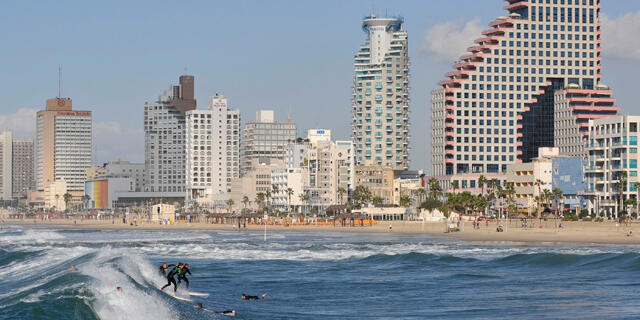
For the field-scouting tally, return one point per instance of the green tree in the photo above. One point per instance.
(67, 198)
(622, 187)
(304, 198)
(259, 199)
(230, 204)
(267, 196)
(290, 193)
(482, 181)
(455, 185)
(377, 201)
(434, 187)
(361, 195)
(341, 191)
(539, 183)
(405, 201)
(558, 197)
(245, 202)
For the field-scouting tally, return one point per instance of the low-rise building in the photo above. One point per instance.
(378, 179)
(103, 193)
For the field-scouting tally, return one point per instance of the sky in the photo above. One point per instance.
(295, 57)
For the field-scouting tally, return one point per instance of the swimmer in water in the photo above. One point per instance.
(73, 268)
(230, 313)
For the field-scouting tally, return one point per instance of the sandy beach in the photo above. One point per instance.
(576, 232)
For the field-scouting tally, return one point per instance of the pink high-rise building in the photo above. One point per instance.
(499, 104)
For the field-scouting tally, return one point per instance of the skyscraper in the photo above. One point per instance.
(213, 150)
(164, 128)
(502, 92)
(22, 174)
(380, 103)
(63, 146)
(6, 165)
(265, 139)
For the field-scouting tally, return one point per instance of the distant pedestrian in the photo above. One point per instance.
(390, 227)
(487, 222)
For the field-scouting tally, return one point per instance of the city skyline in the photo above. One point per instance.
(126, 80)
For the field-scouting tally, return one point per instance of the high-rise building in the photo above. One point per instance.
(264, 138)
(6, 165)
(380, 103)
(63, 146)
(164, 128)
(509, 75)
(213, 150)
(22, 167)
(612, 150)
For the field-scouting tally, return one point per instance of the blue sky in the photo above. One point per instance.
(282, 55)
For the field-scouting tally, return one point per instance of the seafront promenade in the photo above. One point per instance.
(571, 232)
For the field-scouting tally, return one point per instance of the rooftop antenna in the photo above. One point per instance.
(185, 71)
(59, 81)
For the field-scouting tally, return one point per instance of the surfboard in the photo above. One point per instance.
(198, 294)
(180, 298)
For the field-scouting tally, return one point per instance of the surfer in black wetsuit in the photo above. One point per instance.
(246, 297)
(183, 275)
(163, 269)
(170, 278)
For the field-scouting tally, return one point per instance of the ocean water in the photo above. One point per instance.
(311, 276)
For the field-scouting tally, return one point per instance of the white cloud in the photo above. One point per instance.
(447, 41)
(620, 36)
(22, 123)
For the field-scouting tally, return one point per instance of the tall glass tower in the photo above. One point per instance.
(381, 95)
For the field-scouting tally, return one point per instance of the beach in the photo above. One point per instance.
(607, 232)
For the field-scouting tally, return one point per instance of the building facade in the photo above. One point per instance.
(509, 74)
(612, 151)
(264, 138)
(6, 166)
(125, 169)
(574, 107)
(380, 102)
(329, 167)
(164, 128)
(63, 146)
(22, 168)
(379, 181)
(213, 150)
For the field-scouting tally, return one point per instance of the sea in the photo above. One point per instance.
(310, 276)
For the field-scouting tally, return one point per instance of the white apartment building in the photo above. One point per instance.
(612, 149)
(265, 138)
(524, 176)
(380, 102)
(497, 107)
(283, 179)
(164, 127)
(213, 151)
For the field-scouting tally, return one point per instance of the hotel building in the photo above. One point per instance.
(380, 103)
(213, 150)
(497, 107)
(63, 146)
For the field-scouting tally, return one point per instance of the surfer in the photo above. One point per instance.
(163, 269)
(171, 279)
(230, 313)
(183, 275)
(246, 297)
(73, 268)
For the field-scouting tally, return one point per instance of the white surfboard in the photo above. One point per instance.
(198, 294)
(180, 298)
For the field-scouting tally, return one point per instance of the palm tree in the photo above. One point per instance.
(455, 185)
(304, 198)
(85, 199)
(377, 201)
(341, 192)
(259, 199)
(290, 192)
(275, 190)
(482, 181)
(267, 195)
(67, 198)
(361, 195)
(420, 194)
(245, 201)
(405, 201)
(539, 183)
(434, 187)
(622, 187)
(230, 204)
(509, 191)
(557, 198)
